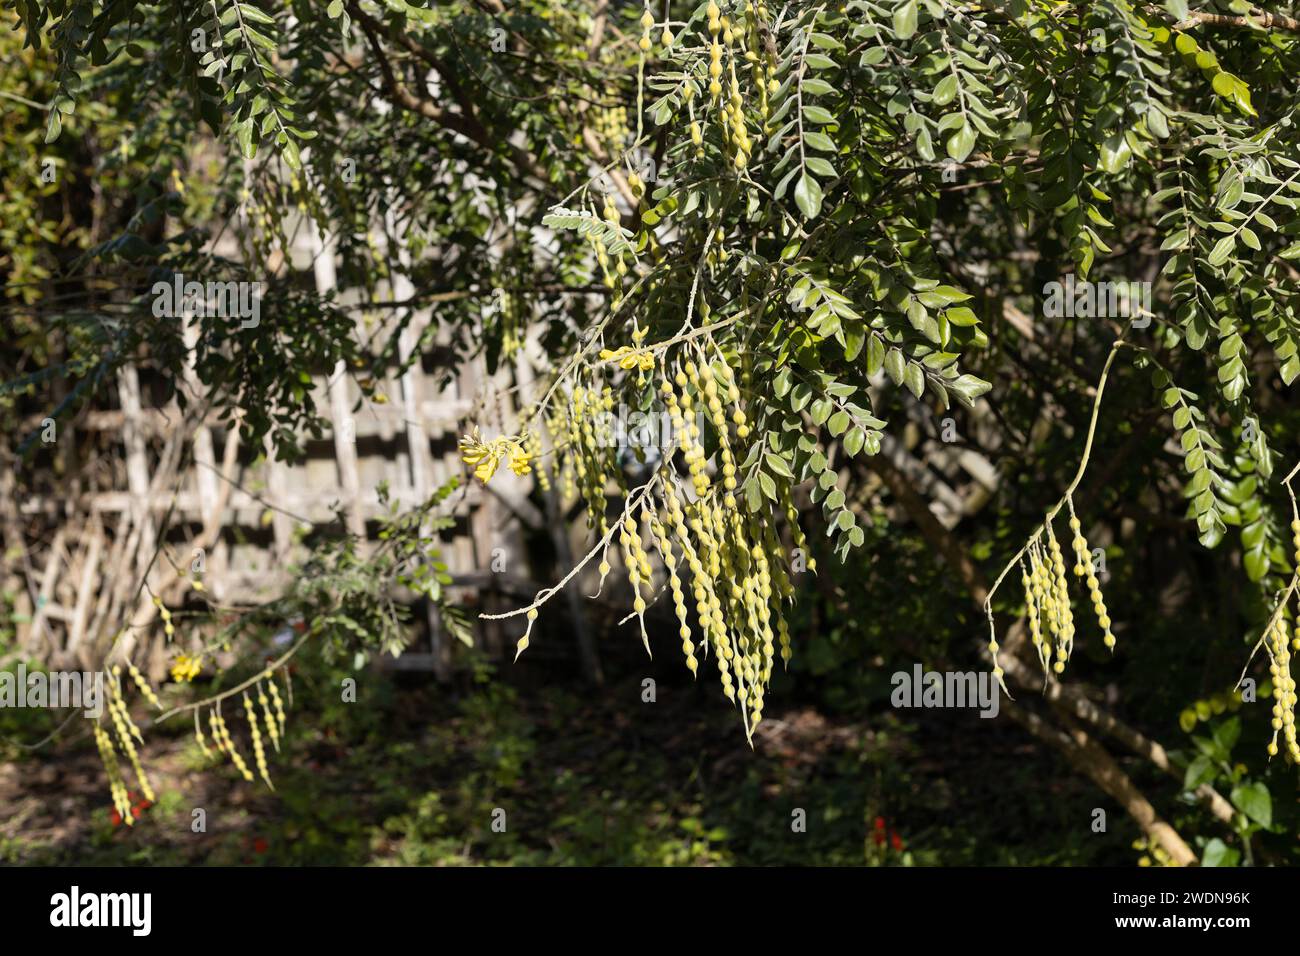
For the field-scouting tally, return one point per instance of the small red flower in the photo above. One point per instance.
(115, 817)
(896, 842)
(260, 845)
(880, 823)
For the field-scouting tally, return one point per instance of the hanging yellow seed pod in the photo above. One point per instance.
(146, 691)
(259, 752)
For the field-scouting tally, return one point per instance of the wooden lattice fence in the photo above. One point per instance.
(149, 489)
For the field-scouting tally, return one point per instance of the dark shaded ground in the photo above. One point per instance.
(413, 774)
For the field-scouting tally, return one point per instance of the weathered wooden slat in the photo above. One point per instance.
(311, 504)
(345, 434)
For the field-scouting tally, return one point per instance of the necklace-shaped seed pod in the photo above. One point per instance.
(198, 736)
(126, 730)
(116, 786)
(1033, 612)
(146, 691)
(1284, 694)
(218, 740)
(259, 751)
(272, 727)
(1061, 600)
(274, 691)
(228, 745)
(634, 560)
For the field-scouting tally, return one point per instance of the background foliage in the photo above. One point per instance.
(861, 222)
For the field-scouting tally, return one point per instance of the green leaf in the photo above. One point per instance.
(820, 410)
(808, 196)
(1254, 801)
(1222, 249)
(875, 354)
(778, 466)
(821, 166)
(244, 136)
(1218, 853)
(945, 90)
(855, 337)
(1199, 771)
(895, 365)
(961, 143)
(815, 139)
(252, 13)
(818, 114)
(905, 19)
(914, 379)
(1228, 733)
(1256, 562)
(968, 388)
(960, 315)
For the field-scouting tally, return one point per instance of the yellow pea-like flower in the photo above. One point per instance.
(520, 460)
(185, 668)
(487, 466)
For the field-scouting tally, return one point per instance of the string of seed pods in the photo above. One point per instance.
(226, 744)
(647, 21)
(274, 691)
(1083, 567)
(761, 55)
(272, 725)
(127, 734)
(1279, 646)
(116, 785)
(146, 690)
(198, 735)
(262, 709)
(731, 115)
(725, 569)
(259, 751)
(1284, 689)
(1048, 609)
(169, 629)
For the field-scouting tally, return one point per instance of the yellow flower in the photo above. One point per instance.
(520, 460)
(186, 668)
(483, 457)
(488, 464)
(486, 457)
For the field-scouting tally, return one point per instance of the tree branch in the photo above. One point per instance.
(1084, 753)
(1257, 18)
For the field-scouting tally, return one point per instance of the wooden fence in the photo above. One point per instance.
(76, 555)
